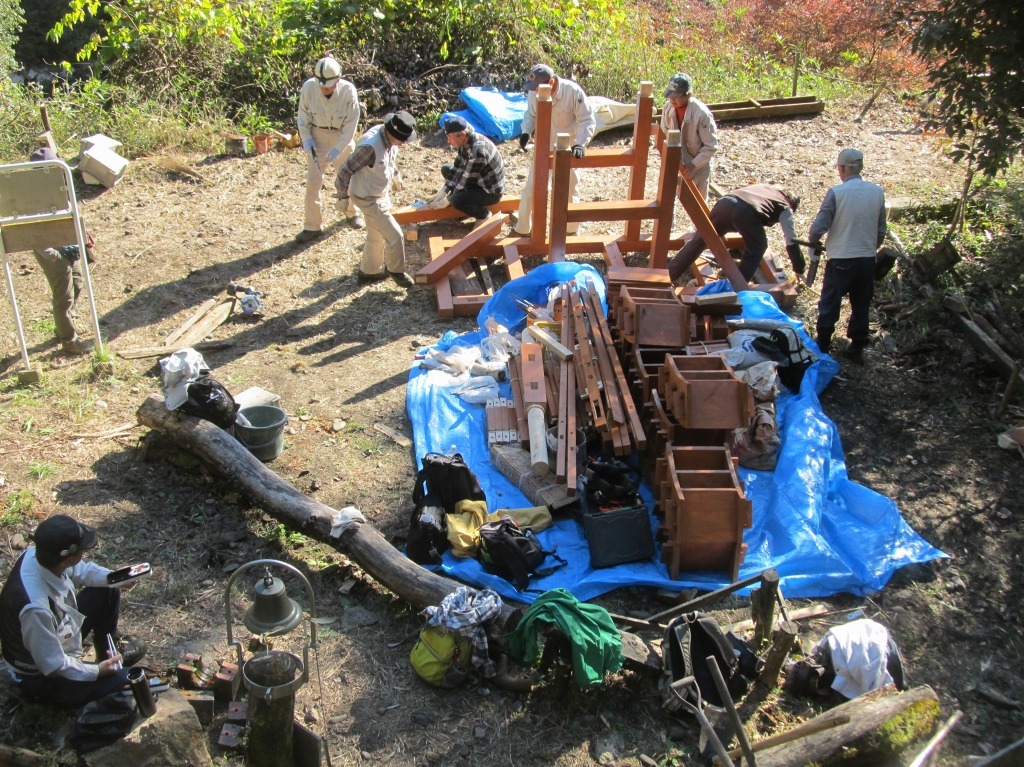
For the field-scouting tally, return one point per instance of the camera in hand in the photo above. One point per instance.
(128, 573)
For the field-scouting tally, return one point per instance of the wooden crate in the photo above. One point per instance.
(703, 393)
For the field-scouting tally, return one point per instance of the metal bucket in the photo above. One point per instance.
(272, 679)
(264, 436)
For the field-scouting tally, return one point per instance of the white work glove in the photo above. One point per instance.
(332, 155)
(307, 146)
(439, 200)
(396, 182)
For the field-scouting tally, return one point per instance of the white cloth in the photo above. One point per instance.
(345, 519)
(179, 370)
(859, 655)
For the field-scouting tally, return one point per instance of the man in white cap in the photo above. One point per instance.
(476, 180)
(328, 118)
(690, 116)
(367, 177)
(570, 113)
(51, 600)
(853, 216)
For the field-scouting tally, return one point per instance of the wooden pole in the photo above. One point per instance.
(697, 209)
(670, 155)
(560, 197)
(762, 607)
(641, 151)
(541, 166)
(783, 640)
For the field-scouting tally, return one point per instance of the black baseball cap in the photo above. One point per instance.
(63, 536)
(401, 125)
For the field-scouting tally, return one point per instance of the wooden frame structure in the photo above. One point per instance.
(448, 257)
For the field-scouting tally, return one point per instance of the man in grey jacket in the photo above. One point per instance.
(853, 217)
(692, 118)
(53, 599)
(368, 176)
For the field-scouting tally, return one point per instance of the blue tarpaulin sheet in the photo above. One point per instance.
(822, 532)
(496, 114)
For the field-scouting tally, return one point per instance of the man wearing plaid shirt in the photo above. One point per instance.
(476, 179)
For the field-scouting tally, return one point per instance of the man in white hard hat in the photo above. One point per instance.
(853, 216)
(570, 113)
(690, 116)
(328, 118)
(368, 176)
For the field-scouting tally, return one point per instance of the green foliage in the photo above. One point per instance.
(974, 52)
(15, 506)
(251, 122)
(284, 538)
(11, 21)
(41, 470)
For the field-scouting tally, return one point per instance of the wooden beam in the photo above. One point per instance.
(411, 215)
(513, 261)
(697, 209)
(612, 210)
(164, 351)
(666, 201)
(541, 166)
(204, 307)
(209, 322)
(443, 287)
(641, 151)
(560, 198)
(470, 245)
(613, 256)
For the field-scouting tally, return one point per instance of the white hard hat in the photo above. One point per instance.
(327, 71)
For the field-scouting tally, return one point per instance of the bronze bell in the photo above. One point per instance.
(272, 612)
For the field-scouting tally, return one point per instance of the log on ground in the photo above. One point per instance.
(882, 723)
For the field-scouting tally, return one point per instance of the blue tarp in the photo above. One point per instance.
(823, 533)
(496, 114)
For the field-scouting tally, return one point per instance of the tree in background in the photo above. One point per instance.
(975, 51)
(11, 20)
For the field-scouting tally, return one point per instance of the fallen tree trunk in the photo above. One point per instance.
(364, 545)
(881, 724)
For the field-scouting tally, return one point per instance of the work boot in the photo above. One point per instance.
(481, 219)
(401, 279)
(365, 279)
(824, 343)
(132, 650)
(308, 235)
(76, 347)
(356, 221)
(855, 352)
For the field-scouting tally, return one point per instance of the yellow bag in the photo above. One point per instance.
(441, 658)
(534, 518)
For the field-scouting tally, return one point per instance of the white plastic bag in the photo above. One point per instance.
(179, 370)
(478, 390)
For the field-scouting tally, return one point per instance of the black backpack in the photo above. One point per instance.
(103, 721)
(508, 552)
(209, 400)
(443, 481)
(689, 640)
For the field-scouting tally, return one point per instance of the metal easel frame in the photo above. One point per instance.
(36, 206)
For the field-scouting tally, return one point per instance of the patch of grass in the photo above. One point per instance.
(15, 507)
(284, 538)
(44, 326)
(41, 470)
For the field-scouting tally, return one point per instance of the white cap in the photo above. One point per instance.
(327, 71)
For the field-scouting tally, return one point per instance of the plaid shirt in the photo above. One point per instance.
(478, 163)
(362, 157)
(465, 612)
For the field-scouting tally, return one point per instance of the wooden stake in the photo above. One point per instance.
(762, 607)
(782, 643)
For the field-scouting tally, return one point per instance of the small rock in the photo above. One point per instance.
(312, 717)
(314, 486)
(479, 732)
(422, 718)
(338, 425)
(18, 541)
(101, 404)
(336, 720)
(382, 710)
(134, 390)
(230, 567)
(355, 617)
(207, 582)
(465, 751)
(366, 755)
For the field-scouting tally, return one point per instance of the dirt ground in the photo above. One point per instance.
(916, 427)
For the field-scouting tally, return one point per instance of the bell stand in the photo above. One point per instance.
(39, 209)
(304, 677)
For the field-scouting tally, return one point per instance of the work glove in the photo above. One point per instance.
(524, 139)
(439, 200)
(796, 258)
(579, 151)
(396, 183)
(307, 146)
(332, 155)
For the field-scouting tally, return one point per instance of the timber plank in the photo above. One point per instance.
(470, 245)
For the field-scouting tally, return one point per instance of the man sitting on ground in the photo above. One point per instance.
(44, 617)
(748, 211)
(476, 180)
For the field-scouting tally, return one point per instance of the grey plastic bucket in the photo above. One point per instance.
(264, 437)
